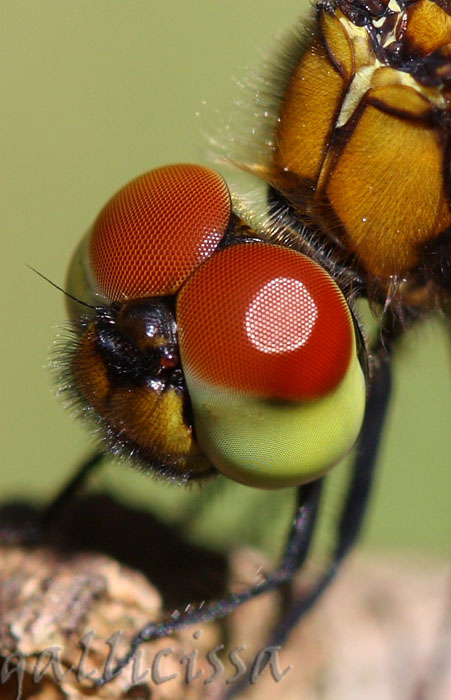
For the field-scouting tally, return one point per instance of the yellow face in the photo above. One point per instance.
(205, 348)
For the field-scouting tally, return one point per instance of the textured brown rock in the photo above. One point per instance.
(380, 632)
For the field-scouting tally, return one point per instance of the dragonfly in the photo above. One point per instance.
(205, 341)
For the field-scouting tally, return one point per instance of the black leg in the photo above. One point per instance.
(51, 511)
(356, 500)
(296, 551)
(32, 527)
(354, 505)
(349, 525)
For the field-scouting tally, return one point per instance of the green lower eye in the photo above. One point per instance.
(268, 351)
(273, 444)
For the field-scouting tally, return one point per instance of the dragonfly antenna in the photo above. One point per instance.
(71, 296)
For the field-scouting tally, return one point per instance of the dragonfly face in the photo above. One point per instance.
(212, 343)
(264, 383)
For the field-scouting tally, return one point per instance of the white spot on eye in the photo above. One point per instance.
(281, 316)
(208, 244)
(364, 219)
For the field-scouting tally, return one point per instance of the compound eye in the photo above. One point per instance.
(156, 230)
(269, 355)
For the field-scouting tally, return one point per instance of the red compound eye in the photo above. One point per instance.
(157, 229)
(266, 321)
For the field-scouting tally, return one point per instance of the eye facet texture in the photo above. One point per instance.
(156, 230)
(269, 357)
(266, 321)
(266, 337)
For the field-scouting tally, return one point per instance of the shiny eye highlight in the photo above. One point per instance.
(287, 333)
(156, 230)
(265, 320)
(243, 348)
(269, 356)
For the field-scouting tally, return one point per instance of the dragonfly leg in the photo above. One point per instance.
(295, 553)
(356, 500)
(55, 507)
(34, 524)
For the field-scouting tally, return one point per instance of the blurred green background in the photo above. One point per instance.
(95, 93)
